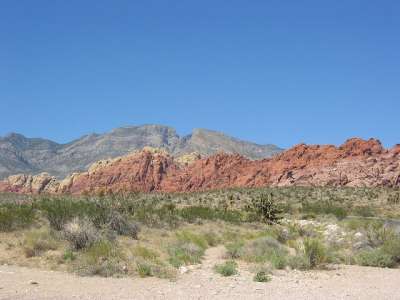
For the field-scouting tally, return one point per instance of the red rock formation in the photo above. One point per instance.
(355, 163)
(140, 171)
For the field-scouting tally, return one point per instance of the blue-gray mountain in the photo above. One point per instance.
(19, 154)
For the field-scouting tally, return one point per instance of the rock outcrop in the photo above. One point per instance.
(21, 183)
(355, 163)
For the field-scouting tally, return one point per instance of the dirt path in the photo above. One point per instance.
(348, 282)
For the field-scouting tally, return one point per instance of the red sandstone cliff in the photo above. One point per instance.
(355, 163)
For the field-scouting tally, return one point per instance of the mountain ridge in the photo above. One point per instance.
(19, 154)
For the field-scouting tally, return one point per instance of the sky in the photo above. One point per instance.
(280, 72)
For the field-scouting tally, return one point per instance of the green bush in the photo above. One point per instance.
(144, 269)
(266, 208)
(212, 238)
(192, 213)
(185, 253)
(235, 249)
(375, 258)
(315, 252)
(228, 268)
(324, 207)
(154, 268)
(299, 262)
(364, 211)
(145, 253)
(15, 216)
(190, 237)
(60, 211)
(265, 249)
(152, 216)
(392, 247)
(103, 258)
(377, 234)
(69, 255)
(278, 260)
(262, 276)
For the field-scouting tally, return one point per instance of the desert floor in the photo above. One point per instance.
(201, 282)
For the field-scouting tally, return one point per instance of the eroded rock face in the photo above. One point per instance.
(139, 171)
(188, 159)
(355, 163)
(30, 184)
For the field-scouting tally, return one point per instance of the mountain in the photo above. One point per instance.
(19, 154)
(361, 163)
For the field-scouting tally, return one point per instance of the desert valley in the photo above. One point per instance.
(179, 150)
(243, 226)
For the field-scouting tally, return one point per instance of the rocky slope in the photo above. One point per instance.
(355, 163)
(19, 154)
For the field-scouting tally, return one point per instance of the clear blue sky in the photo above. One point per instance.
(279, 72)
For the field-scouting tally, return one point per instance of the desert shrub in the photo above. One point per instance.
(190, 237)
(59, 211)
(69, 255)
(230, 235)
(145, 253)
(283, 234)
(151, 214)
(192, 213)
(315, 252)
(299, 262)
(295, 231)
(324, 207)
(184, 253)
(377, 234)
(392, 247)
(122, 225)
(356, 224)
(80, 233)
(226, 269)
(364, 211)
(278, 260)
(266, 209)
(103, 258)
(164, 271)
(235, 249)
(262, 276)
(338, 211)
(262, 273)
(38, 241)
(212, 238)
(375, 258)
(144, 268)
(15, 216)
(287, 208)
(264, 249)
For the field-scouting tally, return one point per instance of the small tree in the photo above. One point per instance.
(266, 208)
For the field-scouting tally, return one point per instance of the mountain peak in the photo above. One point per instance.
(14, 136)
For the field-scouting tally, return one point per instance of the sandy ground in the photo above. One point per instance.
(346, 282)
